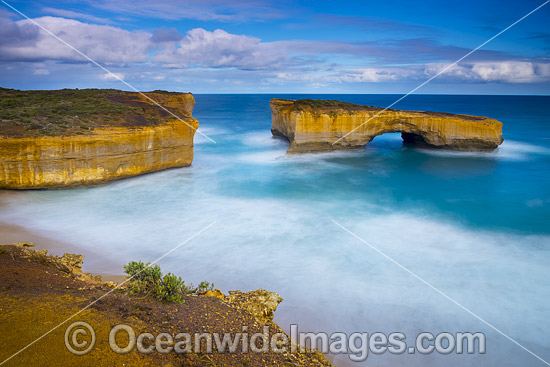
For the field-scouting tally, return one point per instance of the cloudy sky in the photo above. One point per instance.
(262, 46)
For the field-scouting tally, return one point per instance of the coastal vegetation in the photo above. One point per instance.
(321, 103)
(38, 113)
(40, 291)
(322, 106)
(147, 280)
(66, 111)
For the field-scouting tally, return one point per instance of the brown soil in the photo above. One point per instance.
(35, 298)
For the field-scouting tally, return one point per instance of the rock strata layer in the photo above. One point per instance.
(117, 150)
(317, 125)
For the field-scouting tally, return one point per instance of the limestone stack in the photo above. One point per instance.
(316, 125)
(105, 153)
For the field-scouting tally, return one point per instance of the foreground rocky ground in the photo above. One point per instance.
(38, 292)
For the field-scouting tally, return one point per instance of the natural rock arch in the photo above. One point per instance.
(328, 125)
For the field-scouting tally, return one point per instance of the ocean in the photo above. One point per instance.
(474, 226)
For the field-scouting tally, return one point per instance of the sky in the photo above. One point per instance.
(263, 46)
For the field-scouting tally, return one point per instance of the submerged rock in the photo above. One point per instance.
(317, 125)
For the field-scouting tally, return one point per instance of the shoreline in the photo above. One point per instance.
(40, 291)
(11, 233)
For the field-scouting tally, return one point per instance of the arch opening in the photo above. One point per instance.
(414, 139)
(397, 139)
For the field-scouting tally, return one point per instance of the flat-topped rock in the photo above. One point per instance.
(67, 138)
(319, 125)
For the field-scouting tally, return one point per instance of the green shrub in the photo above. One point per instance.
(204, 286)
(172, 288)
(147, 280)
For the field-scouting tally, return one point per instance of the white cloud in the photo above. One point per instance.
(13, 34)
(112, 76)
(481, 72)
(512, 72)
(77, 15)
(280, 62)
(221, 49)
(104, 43)
(41, 71)
(101, 43)
(377, 75)
(501, 71)
(360, 75)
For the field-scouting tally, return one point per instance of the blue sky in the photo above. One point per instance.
(253, 46)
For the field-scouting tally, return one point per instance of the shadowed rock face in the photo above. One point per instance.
(316, 125)
(142, 142)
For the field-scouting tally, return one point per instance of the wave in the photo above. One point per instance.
(263, 139)
(210, 132)
(292, 247)
(509, 150)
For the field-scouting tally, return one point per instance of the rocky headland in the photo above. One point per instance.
(319, 125)
(66, 138)
(39, 291)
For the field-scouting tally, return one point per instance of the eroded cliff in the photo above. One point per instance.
(316, 125)
(127, 136)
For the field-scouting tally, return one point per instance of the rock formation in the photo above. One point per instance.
(70, 264)
(259, 303)
(148, 140)
(39, 292)
(316, 125)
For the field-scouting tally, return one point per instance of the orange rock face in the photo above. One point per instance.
(328, 125)
(104, 154)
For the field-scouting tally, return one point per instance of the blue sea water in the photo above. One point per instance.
(473, 225)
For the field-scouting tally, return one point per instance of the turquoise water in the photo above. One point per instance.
(474, 225)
